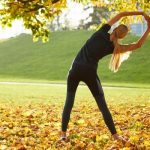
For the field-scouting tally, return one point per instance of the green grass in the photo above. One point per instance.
(54, 94)
(23, 60)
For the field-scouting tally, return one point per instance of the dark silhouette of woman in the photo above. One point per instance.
(85, 64)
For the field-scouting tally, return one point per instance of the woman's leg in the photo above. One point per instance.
(72, 84)
(97, 91)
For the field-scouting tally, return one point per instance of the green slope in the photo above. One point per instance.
(21, 59)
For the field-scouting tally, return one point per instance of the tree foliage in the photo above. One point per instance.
(36, 14)
(116, 6)
(95, 18)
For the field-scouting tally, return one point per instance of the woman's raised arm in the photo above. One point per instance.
(123, 14)
(140, 42)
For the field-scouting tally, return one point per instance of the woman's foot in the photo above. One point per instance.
(63, 136)
(119, 138)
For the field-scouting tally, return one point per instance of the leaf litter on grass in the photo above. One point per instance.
(37, 127)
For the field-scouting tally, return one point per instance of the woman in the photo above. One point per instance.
(84, 67)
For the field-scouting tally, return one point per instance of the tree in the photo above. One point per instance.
(55, 24)
(95, 17)
(36, 14)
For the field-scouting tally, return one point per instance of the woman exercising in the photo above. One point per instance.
(85, 64)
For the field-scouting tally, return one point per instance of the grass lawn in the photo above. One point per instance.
(49, 93)
(23, 60)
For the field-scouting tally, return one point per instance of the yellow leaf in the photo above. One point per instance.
(80, 121)
(3, 147)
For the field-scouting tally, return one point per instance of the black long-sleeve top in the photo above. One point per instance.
(95, 48)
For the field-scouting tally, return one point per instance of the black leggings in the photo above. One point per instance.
(88, 75)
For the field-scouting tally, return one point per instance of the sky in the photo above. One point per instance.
(16, 29)
(75, 15)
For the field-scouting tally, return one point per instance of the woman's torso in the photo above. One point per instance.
(95, 48)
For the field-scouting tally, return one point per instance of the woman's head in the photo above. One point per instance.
(117, 57)
(120, 31)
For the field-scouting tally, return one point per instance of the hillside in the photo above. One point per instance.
(23, 60)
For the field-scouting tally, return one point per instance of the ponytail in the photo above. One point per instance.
(117, 57)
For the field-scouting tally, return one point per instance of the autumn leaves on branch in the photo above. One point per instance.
(38, 14)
